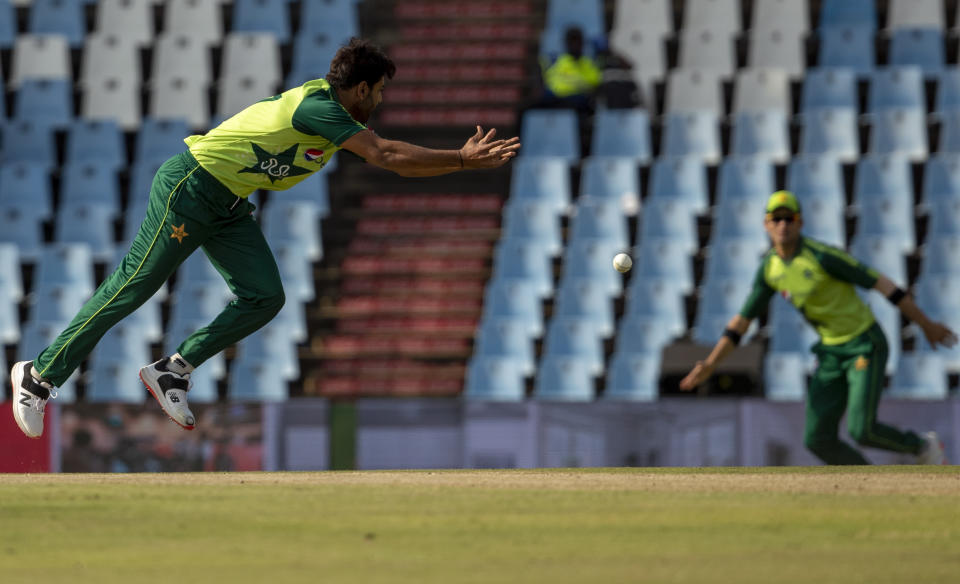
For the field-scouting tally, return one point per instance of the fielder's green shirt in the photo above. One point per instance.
(277, 142)
(818, 281)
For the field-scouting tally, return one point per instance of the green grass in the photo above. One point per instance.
(876, 525)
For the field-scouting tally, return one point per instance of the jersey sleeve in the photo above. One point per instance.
(843, 266)
(319, 116)
(759, 296)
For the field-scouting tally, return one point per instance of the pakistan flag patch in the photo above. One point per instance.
(276, 166)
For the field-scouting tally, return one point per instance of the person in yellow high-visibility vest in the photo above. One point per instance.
(573, 78)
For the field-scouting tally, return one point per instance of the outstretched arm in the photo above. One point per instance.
(935, 332)
(704, 369)
(405, 159)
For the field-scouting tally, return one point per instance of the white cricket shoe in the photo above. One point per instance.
(932, 452)
(170, 390)
(30, 397)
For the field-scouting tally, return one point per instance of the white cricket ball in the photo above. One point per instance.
(622, 263)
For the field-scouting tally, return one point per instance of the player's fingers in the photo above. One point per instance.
(490, 135)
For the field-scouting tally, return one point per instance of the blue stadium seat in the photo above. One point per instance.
(9, 317)
(90, 224)
(613, 179)
(506, 337)
(198, 269)
(889, 319)
(203, 385)
(11, 280)
(633, 377)
(680, 179)
(194, 305)
(888, 217)
(89, 183)
(335, 18)
(815, 176)
(586, 300)
(564, 378)
(831, 131)
(312, 54)
(514, 300)
(8, 28)
(294, 223)
(901, 131)
(27, 185)
(941, 256)
(68, 264)
(674, 220)
(850, 48)
(177, 332)
(515, 259)
(622, 132)
(551, 133)
(949, 132)
(575, 337)
(824, 220)
(296, 271)
(590, 259)
(784, 377)
(22, 226)
(256, 382)
(938, 294)
(734, 258)
(313, 189)
(694, 134)
(761, 133)
(97, 142)
(944, 217)
(741, 221)
(896, 88)
(829, 87)
(534, 221)
(494, 378)
(271, 347)
(659, 297)
(883, 254)
(941, 177)
(745, 177)
(45, 102)
(664, 258)
(271, 16)
(55, 304)
(886, 175)
(948, 91)
(857, 13)
(922, 47)
(159, 139)
(920, 375)
(643, 335)
(719, 300)
(541, 178)
(25, 141)
(790, 332)
(63, 17)
(600, 219)
(587, 15)
(123, 345)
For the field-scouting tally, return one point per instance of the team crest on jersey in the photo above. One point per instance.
(861, 363)
(313, 155)
(275, 166)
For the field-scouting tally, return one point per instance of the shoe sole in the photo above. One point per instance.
(15, 379)
(162, 407)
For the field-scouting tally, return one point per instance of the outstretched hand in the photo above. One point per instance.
(700, 373)
(482, 151)
(939, 334)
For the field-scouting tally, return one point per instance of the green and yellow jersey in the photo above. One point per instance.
(818, 281)
(277, 142)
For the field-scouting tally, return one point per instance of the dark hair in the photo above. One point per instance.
(360, 60)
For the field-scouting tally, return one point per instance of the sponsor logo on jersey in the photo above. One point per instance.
(313, 155)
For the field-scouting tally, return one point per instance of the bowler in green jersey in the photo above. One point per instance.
(852, 352)
(198, 199)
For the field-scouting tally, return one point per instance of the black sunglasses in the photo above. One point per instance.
(788, 219)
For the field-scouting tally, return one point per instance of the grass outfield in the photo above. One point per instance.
(804, 525)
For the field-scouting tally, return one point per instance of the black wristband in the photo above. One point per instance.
(896, 296)
(732, 335)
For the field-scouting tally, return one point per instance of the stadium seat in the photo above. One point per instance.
(850, 48)
(643, 335)
(633, 377)
(180, 97)
(692, 134)
(610, 178)
(941, 179)
(944, 217)
(721, 16)
(778, 49)
(21, 225)
(203, 385)
(941, 256)
(587, 15)
(108, 55)
(122, 345)
(262, 16)
(654, 17)
(8, 24)
(132, 20)
(790, 332)
(590, 259)
(514, 299)
(622, 133)
(693, 89)
(55, 304)
(492, 378)
(158, 140)
(740, 220)
(575, 337)
(564, 378)
(198, 20)
(918, 47)
(89, 223)
(831, 131)
(745, 177)
(887, 175)
(828, 87)
(506, 337)
(646, 52)
(896, 88)
(533, 221)
(295, 223)
(195, 305)
(26, 185)
(177, 332)
(784, 377)
(586, 300)
(600, 219)
(883, 254)
(27, 142)
(255, 54)
(313, 189)
(900, 131)
(332, 18)
(949, 132)
(948, 91)
(760, 90)
(938, 294)
(58, 17)
(39, 57)
(658, 297)
(785, 16)
(734, 258)
(707, 49)
(682, 179)
(296, 271)
(96, 142)
(920, 375)
(915, 13)
(9, 317)
(256, 382)
(823, 219)
(45, 102)
(665, 258)
(540, 178)
(855, 13)
(673, 220)
(117, 99)
(312, 54)
(66, 264)
(761, 133)
(515, 259)
(236, 93)
(177, 55)
(270, 347)
(811, 177)
(11, 280)
(719, 300)
(887, 216)
(89, 183)
(551, 133)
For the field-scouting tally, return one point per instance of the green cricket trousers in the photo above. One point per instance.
(188, 208)
(850, 378)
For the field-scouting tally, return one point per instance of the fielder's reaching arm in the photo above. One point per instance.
(736, 327)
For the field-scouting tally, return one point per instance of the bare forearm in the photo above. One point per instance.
(411, 160)
(906, 305)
